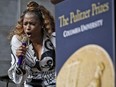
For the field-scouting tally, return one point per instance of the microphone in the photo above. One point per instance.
(19, 69)
(24, 43)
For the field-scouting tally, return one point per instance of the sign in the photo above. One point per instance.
(85, 53)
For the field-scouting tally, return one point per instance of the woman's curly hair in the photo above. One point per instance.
(47, 20)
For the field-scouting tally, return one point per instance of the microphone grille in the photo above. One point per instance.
(25, 40)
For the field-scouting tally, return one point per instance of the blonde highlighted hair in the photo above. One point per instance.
(43, 14)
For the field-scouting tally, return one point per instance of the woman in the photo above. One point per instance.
(33, 48)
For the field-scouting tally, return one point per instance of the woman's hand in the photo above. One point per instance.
(21, 51)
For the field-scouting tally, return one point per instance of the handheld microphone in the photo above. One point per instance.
(24, 42)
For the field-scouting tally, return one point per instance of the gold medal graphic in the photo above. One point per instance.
(90, 66)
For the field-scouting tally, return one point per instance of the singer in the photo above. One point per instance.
(33, 48)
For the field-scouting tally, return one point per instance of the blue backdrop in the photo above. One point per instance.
(82, 22)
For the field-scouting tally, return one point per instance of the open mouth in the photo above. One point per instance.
(28, 34)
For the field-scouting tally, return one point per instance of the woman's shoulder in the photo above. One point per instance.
(15, 40)
(54, 34)
(53, 39)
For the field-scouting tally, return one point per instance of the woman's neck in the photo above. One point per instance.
(37, 40)
(37, 44)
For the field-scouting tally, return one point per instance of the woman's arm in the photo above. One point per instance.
(16, 73)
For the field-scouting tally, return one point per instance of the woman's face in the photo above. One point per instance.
(31, 25)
